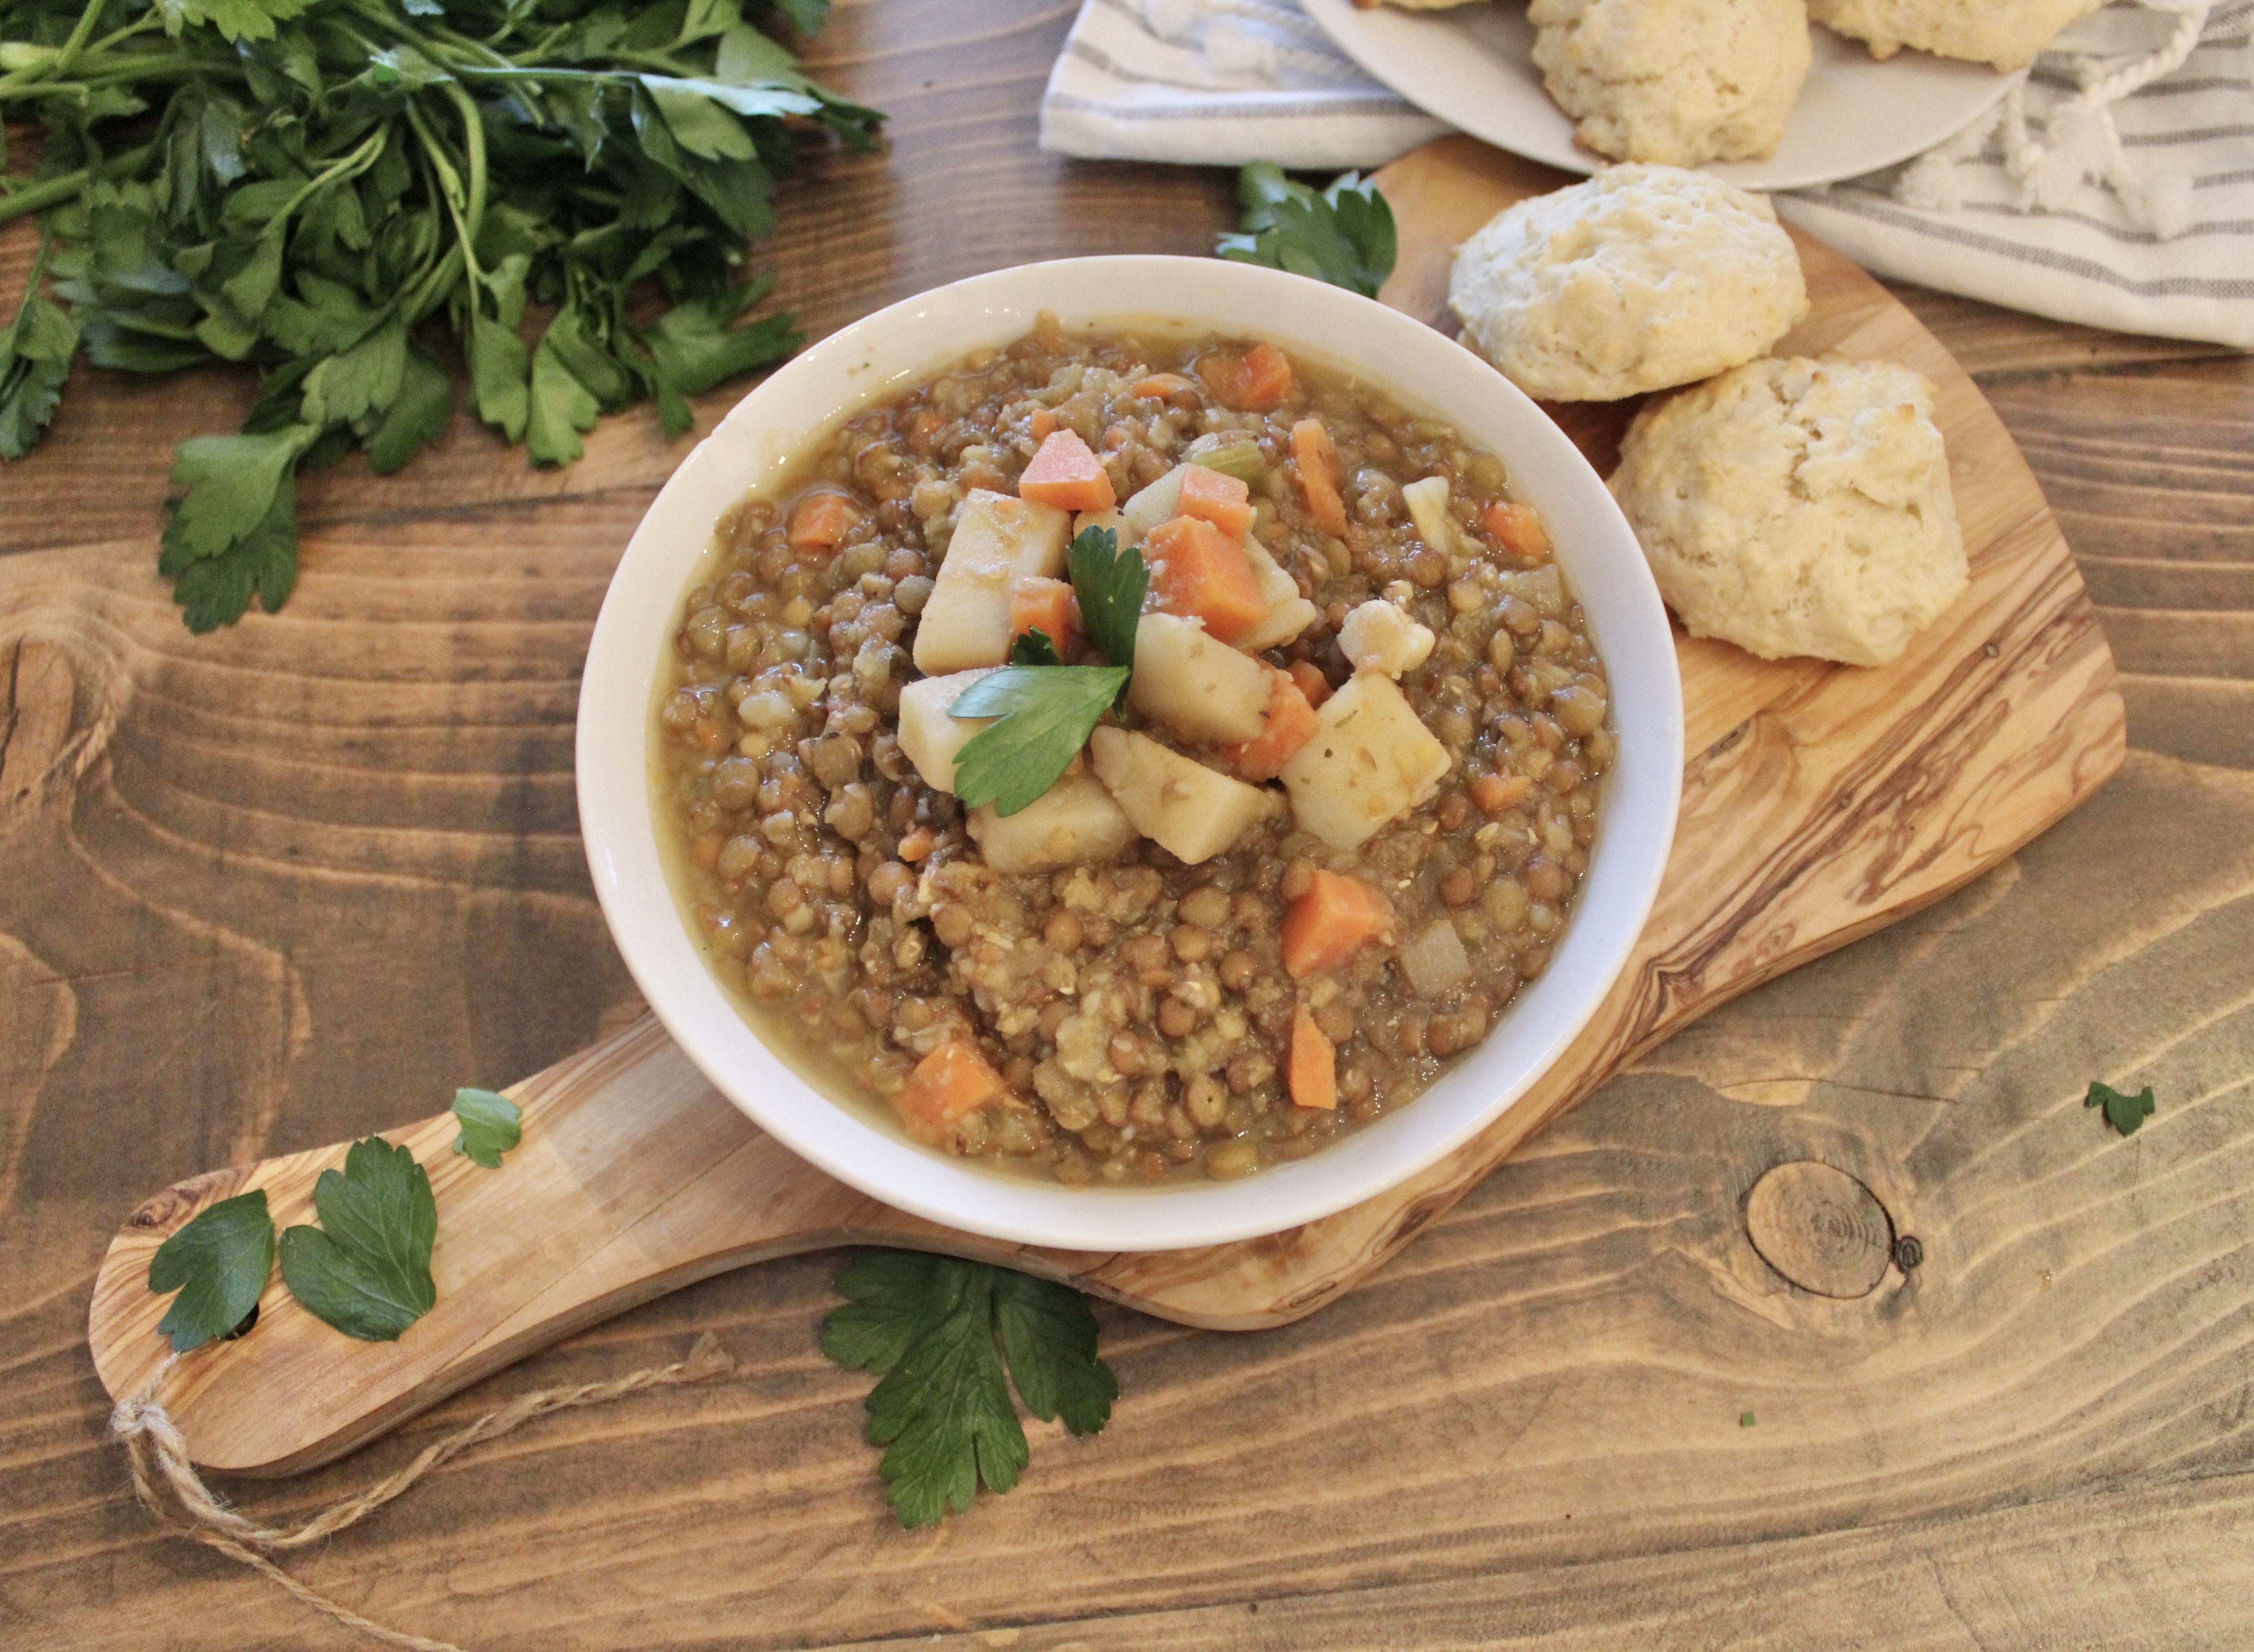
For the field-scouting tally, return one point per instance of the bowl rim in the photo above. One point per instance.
(802, 403)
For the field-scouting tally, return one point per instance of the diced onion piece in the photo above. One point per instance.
(1435, 960)
(1428, 508)
(1160, 501)
(1288, 615)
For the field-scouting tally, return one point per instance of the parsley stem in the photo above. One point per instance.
(40, 196)
(79, 37)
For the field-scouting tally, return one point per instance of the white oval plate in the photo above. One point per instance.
(1473, 66)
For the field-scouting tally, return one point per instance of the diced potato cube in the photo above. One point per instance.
(1111, 519)
(1428, 508)
(1190, 810)
(1378, 636)
(1197, 686)
(1073, 824)
(1158, 502)
(932, 740)
(1371, 761)
(997, 541)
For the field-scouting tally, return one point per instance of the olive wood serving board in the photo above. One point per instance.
(1820, 803)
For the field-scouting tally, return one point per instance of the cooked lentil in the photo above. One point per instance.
(1138, 1013)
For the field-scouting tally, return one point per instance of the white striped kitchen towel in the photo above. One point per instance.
(2116, 188)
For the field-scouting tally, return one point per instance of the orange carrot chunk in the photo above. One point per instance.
(1314, 1063)
(1159, 387)
(1223, 500)
(1253, 383)
(1291, 725)
(1198, 571)
(952, 1082)
(1517, 529)
(1044, 604)
(820, 520)
(1319, 473)
(1065, 474)
(1323, 926)
(1041, 425)
(1312, 681)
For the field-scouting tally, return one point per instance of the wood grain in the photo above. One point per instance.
(363, 893)
(1820, 803)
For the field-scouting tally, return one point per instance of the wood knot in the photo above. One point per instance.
(173, 1208)
(1821, 1228)
(166, 1209)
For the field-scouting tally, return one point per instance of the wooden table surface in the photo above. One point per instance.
(299, 880)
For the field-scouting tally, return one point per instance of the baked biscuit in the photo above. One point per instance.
(2004, 33)
(1678, 81)
(1644, 278)
(1797, 507)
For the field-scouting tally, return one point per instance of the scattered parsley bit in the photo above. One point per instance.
(1110, 584)
(2124, 1113)
(219, 1263)
(939, 1330)
(1047, 712)
(1745, 1419)
(366, 1270)
(491, 1125)
(1033, 648)
(35, 359)
(1344, 235)
(333, 194)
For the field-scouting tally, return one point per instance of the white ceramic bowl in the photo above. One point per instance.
(886, 354)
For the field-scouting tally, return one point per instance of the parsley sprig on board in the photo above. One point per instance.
(1047, 709)
(2124, 1112)
(939, 1330)
(344, 194)
(219, 1263)
(492, 1124)
(1343, 235)
(366, 1270)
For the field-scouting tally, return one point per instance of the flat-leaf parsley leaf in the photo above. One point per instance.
(366, 1270)
(491, 1125)
(1047, 712)
(1110, 584)
(2124, 1113)
(35, 360)
(938, 1329)
(218, 1263)
(1345, 235)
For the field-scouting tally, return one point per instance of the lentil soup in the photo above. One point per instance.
(1168, 965)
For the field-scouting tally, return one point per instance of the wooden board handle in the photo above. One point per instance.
(635, 1177)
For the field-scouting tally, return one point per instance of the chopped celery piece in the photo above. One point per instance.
(1240, 460)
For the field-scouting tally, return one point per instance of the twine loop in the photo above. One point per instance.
(159, 1458)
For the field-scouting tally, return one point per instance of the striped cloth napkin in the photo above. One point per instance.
(2115, 187)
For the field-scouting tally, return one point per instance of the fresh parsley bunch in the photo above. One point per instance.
(1343, 235)
(347, 194)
